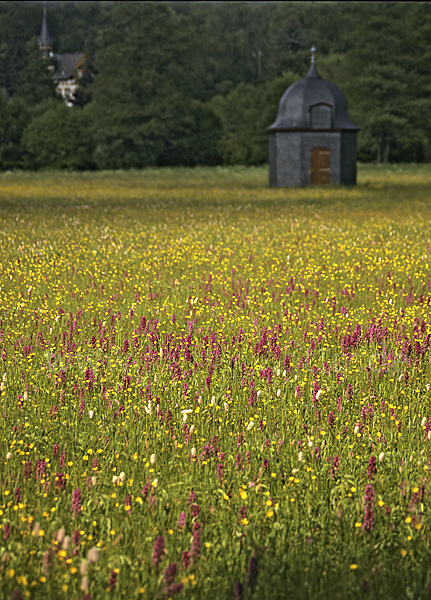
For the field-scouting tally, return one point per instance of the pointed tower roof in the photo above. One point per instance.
(44, 38)
(296, 103)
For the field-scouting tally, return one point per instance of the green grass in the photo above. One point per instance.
(128, 298)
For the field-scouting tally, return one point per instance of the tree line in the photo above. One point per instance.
(188, 83)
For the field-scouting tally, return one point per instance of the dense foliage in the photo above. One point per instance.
(213, 388)
(199, 82)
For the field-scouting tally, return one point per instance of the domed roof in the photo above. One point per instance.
(313, 103)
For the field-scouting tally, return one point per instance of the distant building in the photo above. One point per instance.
(66, 69)
(313, 140)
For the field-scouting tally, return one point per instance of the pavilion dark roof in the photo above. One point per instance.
(297, 100)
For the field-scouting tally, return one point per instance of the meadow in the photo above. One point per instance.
(210, 387)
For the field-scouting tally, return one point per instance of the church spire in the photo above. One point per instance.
(44, 38)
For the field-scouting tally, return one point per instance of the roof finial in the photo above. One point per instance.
(312, 71)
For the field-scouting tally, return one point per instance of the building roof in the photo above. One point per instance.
(65, 65)
(45, 40)
(295, 108)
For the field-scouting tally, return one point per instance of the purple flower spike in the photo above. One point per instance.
(76, 502)
(174, 588)
(6, 530)
(169, 574)
(372, 467)
(182, 520)
(253, 571)
(113, 579)
(368, 522)
(185, 560)
(195, 549)
(238, 590)
(159, 547)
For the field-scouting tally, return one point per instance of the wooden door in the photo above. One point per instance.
(320, 165)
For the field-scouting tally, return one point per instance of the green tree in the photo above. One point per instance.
(59, 137)
(193, 140)
(142, 108)
(14, 57)
(232, 44)
(14, 117)
(72, 23)
(390, 95)
(245, 115)
(157, 72)
(84, 93)
(290, 47)
(36, 83)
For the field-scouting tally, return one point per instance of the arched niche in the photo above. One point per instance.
(321, 116)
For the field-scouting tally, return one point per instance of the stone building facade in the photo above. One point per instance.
(66, 69)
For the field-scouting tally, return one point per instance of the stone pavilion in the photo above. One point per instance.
(313, 140)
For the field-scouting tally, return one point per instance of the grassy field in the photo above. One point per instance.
(210, 387)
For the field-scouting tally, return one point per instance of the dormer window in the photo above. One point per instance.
(321, 116)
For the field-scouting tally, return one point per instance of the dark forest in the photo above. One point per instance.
(198, 83)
